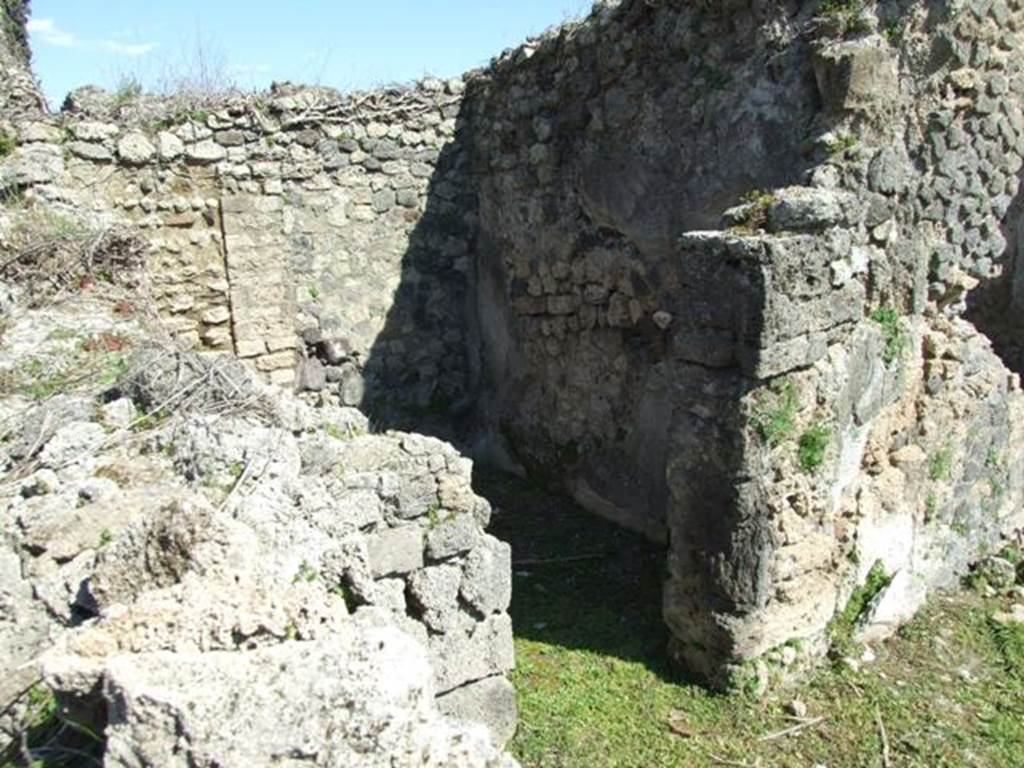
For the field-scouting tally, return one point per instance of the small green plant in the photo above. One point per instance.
(775, 422)
(940, 464)
(892, 329)
(894, 32)
(11, 195)
(314, 292)
(306, 573)
(745, 681)
(143, 422)
(994, 458)
(848, 15)
(115, 367)
(433, 519)
(813, 446)
(931, 504)
(757, 203)
(842, 626)
(49, 738)
(62, 334)
(344, 591)
(7, 144)
(333, 430)
(105, 538)
(840, 144)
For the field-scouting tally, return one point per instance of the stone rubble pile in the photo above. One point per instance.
(239, 551)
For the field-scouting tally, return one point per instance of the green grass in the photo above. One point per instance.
(306, 573)
(841, 144)
(895, 340)
(52, 739)
(759, 202)
(7, 144)
(813, 447)
(847, 13)
(775, 420)
(1009, 639)
(940, 464)
(344, 434)
(595, 687)
(842, 627)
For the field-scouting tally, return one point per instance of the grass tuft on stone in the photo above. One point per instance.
(895, 340)
(813, 447)
(775, 421)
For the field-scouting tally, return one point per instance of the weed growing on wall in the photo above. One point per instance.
(775, 422)
(895, 340)
(813, 446)
(940, 464)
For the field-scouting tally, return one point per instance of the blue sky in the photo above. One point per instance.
(347, 44)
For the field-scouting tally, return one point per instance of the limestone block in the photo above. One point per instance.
(39, 132)
(205, 152)
(858, 75)
(435, 591)
(365, 700)
(395, 551)
(487, 576)
(135, 148)
(94, 131)
(89, 151)
(491, 701)
(169, 146)
(34, 164)
(486, 650)
(452, 536)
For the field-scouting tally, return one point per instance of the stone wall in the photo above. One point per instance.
(712, 267)
(785, 393)
(298, 229)
(240, 524)
(19, 92)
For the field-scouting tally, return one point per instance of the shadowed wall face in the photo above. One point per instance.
(594, 154)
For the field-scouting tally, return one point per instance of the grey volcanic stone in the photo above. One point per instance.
(363, 701)
(487, 576)
(491, 701)
(396, 550)
(452, 536)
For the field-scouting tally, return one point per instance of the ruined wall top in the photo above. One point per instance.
(19, 93)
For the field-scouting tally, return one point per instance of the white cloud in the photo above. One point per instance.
(47, 31)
